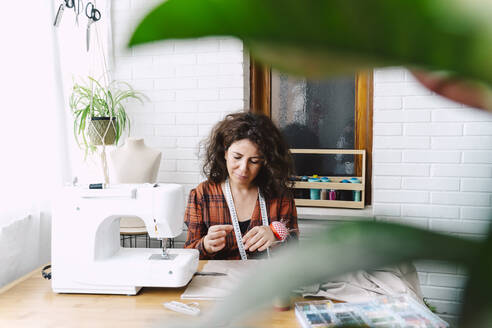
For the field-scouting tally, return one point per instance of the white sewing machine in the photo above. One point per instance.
(85, 251)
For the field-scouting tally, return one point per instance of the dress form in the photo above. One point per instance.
(134, 162)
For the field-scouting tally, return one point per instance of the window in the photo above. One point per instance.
(314, 114)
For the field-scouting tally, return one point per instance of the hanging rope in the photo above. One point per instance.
(97, 61)
(105, 76)
(104, 164)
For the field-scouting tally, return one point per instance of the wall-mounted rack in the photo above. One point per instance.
(335, 181)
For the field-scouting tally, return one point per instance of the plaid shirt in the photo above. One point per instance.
(207, 206)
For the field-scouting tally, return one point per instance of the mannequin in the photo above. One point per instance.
(134, 162)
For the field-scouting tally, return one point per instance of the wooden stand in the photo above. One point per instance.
(335, 183)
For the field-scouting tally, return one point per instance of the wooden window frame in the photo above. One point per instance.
(260, 102)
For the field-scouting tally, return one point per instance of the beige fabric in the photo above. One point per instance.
(361, 286)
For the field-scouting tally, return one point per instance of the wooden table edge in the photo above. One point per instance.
(21, 279)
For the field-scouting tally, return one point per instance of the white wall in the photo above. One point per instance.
(25, 245)
(432, 167)
(33, 162)
(191, 85)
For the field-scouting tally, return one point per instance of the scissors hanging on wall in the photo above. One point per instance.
(93, 16)
(92, 13)
(77, 10)
(61, 9)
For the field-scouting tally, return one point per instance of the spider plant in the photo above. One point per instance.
(99, 112)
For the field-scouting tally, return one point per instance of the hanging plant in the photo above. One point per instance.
(99, 113)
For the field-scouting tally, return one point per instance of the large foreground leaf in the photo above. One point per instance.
(319, 37)
(477, 303)
(346, 248)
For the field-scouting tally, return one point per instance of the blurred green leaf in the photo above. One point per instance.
(477, 302)
(319, 37)
(346, 248)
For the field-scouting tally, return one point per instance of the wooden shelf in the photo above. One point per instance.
(329, 203)
(329, 185)
(335, 182)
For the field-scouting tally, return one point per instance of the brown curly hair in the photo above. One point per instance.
(273, 178)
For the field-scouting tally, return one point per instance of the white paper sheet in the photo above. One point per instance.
(217, 287)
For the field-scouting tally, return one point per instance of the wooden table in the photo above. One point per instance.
(30, 302)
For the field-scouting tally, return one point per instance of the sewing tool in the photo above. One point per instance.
(93, 15)
(77, 10)
(279, 230)
(235, 221)
(108, 268)
(61, 9)
(207, 273)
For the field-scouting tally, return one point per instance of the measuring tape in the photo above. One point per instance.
(235, 221)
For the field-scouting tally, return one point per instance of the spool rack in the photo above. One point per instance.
(335, 181)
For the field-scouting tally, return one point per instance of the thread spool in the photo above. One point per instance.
(314, 194)
(356, 193)
(304, 193)
(324, 192)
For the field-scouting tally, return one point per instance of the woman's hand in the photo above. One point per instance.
(214, 240)
(258, 238)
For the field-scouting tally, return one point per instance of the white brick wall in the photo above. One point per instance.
(432, 167)
(192, 84)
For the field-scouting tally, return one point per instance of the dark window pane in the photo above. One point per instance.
(316, 114)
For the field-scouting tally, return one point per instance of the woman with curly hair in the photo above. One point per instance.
(246, 198)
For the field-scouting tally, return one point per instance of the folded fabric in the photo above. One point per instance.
(362, 286)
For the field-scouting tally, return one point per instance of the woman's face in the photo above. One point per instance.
(244, 161)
